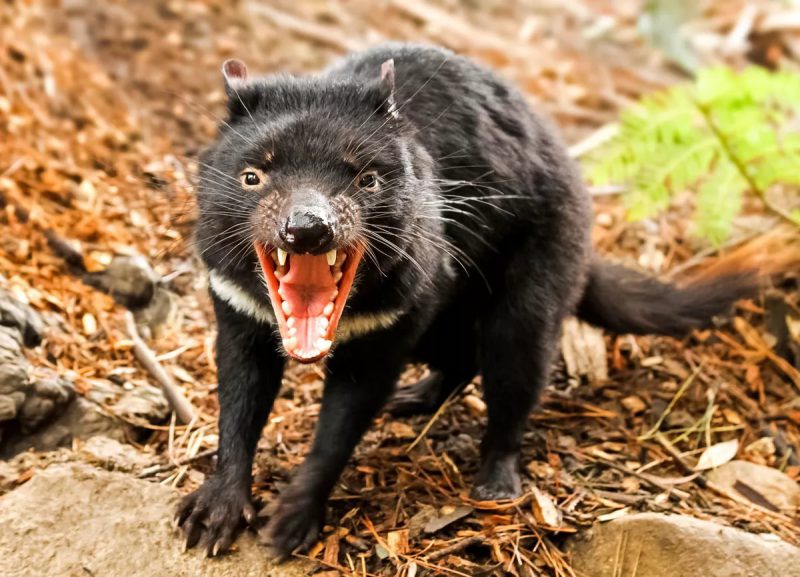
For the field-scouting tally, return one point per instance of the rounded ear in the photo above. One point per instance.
(234, 73)
(387, 85)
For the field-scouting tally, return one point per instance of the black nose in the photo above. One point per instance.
(307, 231)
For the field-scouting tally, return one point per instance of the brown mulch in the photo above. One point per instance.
(103, 108)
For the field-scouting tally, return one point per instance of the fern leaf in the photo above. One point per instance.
(719, 199)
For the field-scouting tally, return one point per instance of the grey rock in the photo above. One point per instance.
(13, 364)
(47, 397)
(82, 419)
(21, 317)
(112, 455)
(74, 519)
(145, 402)
(129, 279)
(656, 545)
(160, 313)
(8, 408)
(778, 488)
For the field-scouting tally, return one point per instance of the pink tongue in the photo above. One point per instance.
(307, 288)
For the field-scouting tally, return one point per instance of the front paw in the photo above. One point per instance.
(294, 526)
(213, 514)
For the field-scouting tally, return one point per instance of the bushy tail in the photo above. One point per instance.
(625, 301)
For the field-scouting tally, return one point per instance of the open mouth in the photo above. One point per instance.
(308, 294)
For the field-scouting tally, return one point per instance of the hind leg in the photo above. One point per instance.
(518, 338)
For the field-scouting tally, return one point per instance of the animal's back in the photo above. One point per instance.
(503, 172)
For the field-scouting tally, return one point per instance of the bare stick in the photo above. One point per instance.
(182, 407)
(156, 469)
(456, 547)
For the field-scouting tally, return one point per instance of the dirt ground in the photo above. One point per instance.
(105, 106)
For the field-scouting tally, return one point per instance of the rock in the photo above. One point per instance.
(145, 402)
(82, 419)
(47, 396)
(129, 279)
(8, 407)
(74, 519)
(13, 364)
(162, 312)
(112, 455)
(656, 545)
(22, 318)
(778, 488)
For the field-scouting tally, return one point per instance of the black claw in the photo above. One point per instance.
(212, 514)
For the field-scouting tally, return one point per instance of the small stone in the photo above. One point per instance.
(634, 405)
(656, 545)
(21, 317)
(143, 401)
(8, 408)
(113, 455)
(778, 488)
(129, 279)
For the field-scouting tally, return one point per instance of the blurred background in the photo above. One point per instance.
(684, 117)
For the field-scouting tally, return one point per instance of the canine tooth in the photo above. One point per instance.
(290, 343)
(286, 307)
(340, 258)
(331, 256)
(328, 309)
(291, 321)
(337, 277)
(282, 256)
(274, 255)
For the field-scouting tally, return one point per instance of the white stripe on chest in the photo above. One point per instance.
(350, 326)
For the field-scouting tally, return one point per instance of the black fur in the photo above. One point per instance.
(478, 239)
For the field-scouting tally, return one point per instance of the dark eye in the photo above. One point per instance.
(250, 179)
(368, 181)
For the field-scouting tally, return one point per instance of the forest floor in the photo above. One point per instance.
(104, 108)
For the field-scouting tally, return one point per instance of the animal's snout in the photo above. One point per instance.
(307, 230)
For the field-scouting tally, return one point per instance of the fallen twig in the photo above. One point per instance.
(156, 469)
(456, 547)
(182, 407)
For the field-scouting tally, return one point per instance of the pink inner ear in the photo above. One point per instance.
(234, 69)
(387, 71)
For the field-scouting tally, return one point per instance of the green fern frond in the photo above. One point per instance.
(725, 135)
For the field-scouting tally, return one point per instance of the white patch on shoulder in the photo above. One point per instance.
(358, 325)
(351, 326)
(239, 299)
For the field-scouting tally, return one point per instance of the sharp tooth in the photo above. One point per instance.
(286, 307)
(340, 258)
(281, 257)
(323, 344)
(331, 256)
(290, 343)
(292, 331)
(291, 321)
(274, 256)
(337, 277)
(328, 309)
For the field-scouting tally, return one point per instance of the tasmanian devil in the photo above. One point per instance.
(404, 204)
